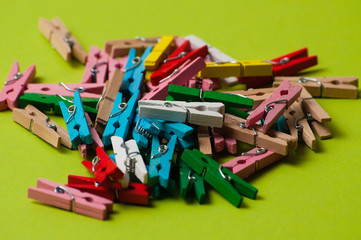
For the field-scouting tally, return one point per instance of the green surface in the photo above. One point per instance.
(309, 195)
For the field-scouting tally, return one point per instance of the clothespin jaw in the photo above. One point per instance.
(39, 124)
(15, 85)
(76, 123)
(120, 118)
(50, 103)
(129, 160)
(70, 199)
(62, 40)
(120, 48)
(273, 107)
(199, 113)
(160, 161)
(224, 181)
(177, 58)
(188, 180)
(134, 71)
(104, 169)
(250, 162)
(293, 63)
(160, 51)
(180, 76)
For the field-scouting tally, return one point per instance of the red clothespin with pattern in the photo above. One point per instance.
(104, 169)
(292, 63)
(273, 107)
(15, 86)
(177, 58)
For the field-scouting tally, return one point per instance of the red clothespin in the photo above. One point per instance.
(136, 193)
(96, 66)
(177, 58)
(70, 199)
(15, 85)
(180, 76)
(273, 107)
(293, 63)
(252, 161)
(104, 169)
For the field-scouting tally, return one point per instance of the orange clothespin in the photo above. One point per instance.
(62, 40)
(40, 124)
(273, 107)
(70, 199)
(15, 86)
(274, 141)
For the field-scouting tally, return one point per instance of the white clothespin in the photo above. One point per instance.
(199, 113)
(129, 159)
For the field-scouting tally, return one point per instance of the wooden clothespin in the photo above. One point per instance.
(176, 59)
(104, 169)
(120, 48)
(204, 141)
(70, 199)
(107, 100)
(97, 142)
(134, 71)
(215, 55)
(180, 76)
(129, 160)
(223, 180)
(96, 67)
(199, 113)
(330, 87)
(74, 117)
(120, 118)
(189, 180)
(274, 141)
(160, 161)
(136, 193)
(86, 90)
(160, 52)
(62, 40)
(15, 85)
(50, 103)
(250, 162)
(292, 63)
(40, 124)
(273, 107)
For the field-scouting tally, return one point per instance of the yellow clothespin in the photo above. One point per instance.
(159, 53)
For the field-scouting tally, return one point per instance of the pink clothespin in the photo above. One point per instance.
(96, 67)
(70, 199)
(97, 142)
(273, 107)
(86, 90)
(116, 63)
(251, 161)
(15, 85)
(231, 145)
(179, 77)
(204, 84)
(218, 141)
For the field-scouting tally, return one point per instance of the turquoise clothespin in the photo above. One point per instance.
(134, 71)
(120, 118)
(74, 117)
(220, 178)
(160, 161)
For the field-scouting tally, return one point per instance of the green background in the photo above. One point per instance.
(308, 195)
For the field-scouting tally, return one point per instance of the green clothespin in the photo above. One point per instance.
(231, 102)
(190, 179)
(223, 180)
(50, 103)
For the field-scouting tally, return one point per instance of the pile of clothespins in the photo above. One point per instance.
(150, 101)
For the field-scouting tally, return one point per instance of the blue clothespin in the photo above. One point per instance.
(76, 123)
(143, 131)
(134, 70)
(160, 161)
(120, 118)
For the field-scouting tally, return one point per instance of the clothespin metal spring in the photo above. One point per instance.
(62, 189)
(16, 77)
